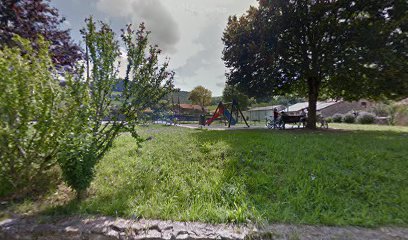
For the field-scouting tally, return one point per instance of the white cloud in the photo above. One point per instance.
(164, 29)
(188, 31)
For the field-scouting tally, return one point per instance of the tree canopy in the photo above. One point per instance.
(32, 18)
(333, 49)
(231, 93)
(200, 96)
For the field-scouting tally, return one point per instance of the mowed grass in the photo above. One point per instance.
(262, 176)
(369, 127)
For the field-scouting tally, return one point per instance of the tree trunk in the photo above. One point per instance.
(313, 86)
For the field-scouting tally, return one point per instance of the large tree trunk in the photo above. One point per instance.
(313, 86)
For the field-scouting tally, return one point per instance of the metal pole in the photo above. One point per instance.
(230, 118)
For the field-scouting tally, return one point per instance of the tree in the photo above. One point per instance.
(200, 96)
(32, 18)
(339, 49)
(216, 100)
(146, 82)
(230, 93)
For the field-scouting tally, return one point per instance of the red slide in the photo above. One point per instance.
(209, 121)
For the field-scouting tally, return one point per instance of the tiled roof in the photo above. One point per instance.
(190, 106)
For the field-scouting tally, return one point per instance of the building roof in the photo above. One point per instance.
(303, 105)
(323, 105)
(267, 108)
(190, 106)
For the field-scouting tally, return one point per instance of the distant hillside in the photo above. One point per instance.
(182, 95)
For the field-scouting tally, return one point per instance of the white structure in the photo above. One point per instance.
(261, 113)
(328, 109)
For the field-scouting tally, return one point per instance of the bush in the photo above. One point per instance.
(382, 110)
(366, 118)
(32, 116)
(337, 118)
(329, 119)
(401, 115)
(349, 118)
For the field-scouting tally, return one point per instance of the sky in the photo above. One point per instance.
(188, 31)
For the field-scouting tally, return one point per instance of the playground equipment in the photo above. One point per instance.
(223, 111)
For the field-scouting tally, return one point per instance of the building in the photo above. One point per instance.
(189, 109)
(328, 109)
(261, 113)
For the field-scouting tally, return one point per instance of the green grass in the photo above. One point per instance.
(369, 127)
(293, 176)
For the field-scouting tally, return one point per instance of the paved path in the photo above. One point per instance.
(220, 128)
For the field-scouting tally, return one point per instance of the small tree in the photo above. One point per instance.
(146, 82)
(230, 93)
(200, 96)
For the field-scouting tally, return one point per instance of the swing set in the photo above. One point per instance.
(222, 110)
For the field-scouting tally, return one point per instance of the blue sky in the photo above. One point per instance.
(188, 31)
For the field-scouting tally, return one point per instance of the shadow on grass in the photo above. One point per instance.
(295, 176)
(318, 177)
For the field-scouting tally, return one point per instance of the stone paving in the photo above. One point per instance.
(101, 228)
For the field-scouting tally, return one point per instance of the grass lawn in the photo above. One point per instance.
(368, 127)
(292, 176)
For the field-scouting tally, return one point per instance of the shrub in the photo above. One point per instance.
(32, 116)
(366, 118)
(329, 119)
(382, 110)
(401, 115)
(337, 118)
(349, 118)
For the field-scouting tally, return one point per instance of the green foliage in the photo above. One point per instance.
(32, 115)
(329, 119)
(382, 109)
(232, 93)
(338, 49)
(400, 116)
(31, 18)
(365, 118)
(178, 95)
(349, 118)
(337, 118)
(200, 96)
(145, 84)
(216, 100)
(332, 178)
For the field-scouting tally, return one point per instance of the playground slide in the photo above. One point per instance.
(209, 121)
(228, 116)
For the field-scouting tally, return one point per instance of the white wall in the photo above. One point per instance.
(260, 115)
